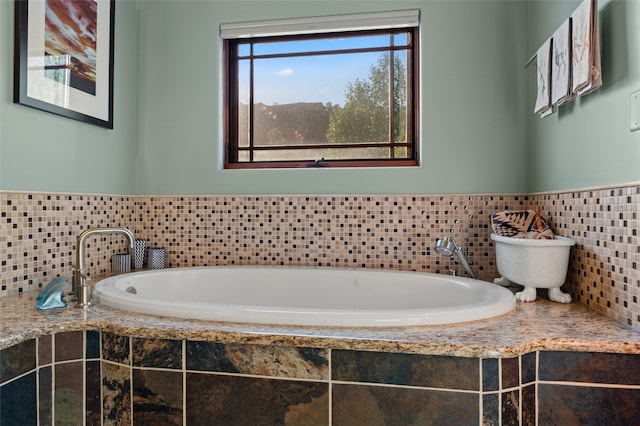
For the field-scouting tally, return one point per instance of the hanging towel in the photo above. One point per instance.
(561, 65)
(543, 77)
(585, 59)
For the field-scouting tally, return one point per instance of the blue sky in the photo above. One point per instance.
(319, 78)
(309, 79)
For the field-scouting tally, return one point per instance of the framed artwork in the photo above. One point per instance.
(64, 58)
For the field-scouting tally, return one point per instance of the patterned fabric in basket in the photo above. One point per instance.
(521, 224)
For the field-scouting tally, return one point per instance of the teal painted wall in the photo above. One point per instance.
(478, 132)
(473, 89)
(588, 142)
(44, 152)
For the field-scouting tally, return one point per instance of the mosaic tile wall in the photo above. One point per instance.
(39, 231)
(394, 232)
(38, 234)
(110, 379)
(604, 267)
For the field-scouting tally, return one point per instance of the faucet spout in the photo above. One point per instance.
(81, 285)
(447, 246)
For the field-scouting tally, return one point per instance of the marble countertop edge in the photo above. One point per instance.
(536, 326)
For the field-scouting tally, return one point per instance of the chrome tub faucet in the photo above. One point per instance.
(447, 246)
(80, 288)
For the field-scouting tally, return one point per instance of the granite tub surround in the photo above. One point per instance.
(159, 353)
(542, 325)
(585, 383)
(538, 326)
(234, 400)
(157, 397)
(427, 389)
(116, 394)
(260, 360)
(544, 363)
(258, 384)
(314, 386)
(366, 405)
(50, 379)
(18, 398)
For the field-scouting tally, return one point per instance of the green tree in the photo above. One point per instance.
(365, 114)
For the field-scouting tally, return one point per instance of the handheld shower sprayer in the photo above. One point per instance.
(447, 246)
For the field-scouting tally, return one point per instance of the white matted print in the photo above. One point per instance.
(64, 58)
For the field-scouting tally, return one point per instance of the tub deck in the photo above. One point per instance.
(540, 325)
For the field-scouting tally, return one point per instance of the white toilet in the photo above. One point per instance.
(534, 263)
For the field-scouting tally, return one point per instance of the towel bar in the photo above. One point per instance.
(531, 60)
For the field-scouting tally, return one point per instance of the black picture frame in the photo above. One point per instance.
(64, 56)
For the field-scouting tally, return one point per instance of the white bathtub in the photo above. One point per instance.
(305, 296)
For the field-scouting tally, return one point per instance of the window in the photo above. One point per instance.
(322, 97)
